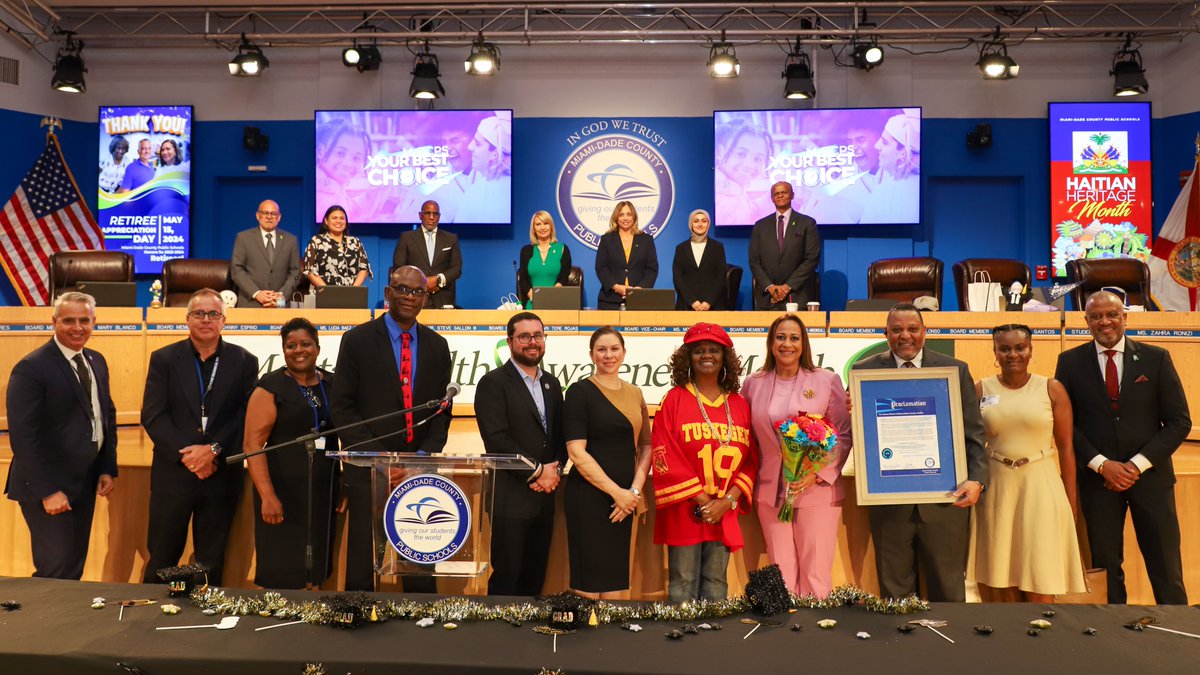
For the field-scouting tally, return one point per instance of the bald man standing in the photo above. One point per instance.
(265, 265)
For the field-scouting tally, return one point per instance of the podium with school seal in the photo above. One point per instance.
(431, 513)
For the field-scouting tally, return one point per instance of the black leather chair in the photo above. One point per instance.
(184, 276)
(905, 279)
(733, 281)
(1001, 271)
(1128, 274)
(575, 278)
(68, 268)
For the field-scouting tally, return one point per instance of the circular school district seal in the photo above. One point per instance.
(610, 169)
(1183, 262)
(427, 519)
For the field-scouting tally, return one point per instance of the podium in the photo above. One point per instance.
(428, 511)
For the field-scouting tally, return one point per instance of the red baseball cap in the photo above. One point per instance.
(707, 332)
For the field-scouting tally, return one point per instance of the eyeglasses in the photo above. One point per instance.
(269, 214)
(526, 338)
(405, 290)
(201, 315)
(431, 213)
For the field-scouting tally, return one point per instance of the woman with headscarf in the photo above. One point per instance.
(488, 197)
(704, 461)
(897, 197)
(699, 268)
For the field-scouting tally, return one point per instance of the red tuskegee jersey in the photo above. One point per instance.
(688, 460)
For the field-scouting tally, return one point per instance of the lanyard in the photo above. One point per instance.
(205, 389)
(312, 403)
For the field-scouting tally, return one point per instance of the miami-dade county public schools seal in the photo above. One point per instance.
(609, 169)
(427, 519)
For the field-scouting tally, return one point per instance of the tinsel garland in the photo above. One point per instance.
(458, 609)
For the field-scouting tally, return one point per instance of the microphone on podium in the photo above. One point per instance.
(452, 390)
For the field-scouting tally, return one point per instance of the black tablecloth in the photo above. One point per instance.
(57, 632)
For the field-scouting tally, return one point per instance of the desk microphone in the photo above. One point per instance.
(452, 390)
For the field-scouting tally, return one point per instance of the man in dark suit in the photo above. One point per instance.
(435, 252)
(265, 266)
(194, 410)
(1130, 417)
(785, 249)
(519, 410)
(373, 380)
(63, 429)
(932, 537)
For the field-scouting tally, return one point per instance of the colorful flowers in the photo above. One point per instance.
(806, 445)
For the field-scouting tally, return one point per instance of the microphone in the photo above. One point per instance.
(452, 390)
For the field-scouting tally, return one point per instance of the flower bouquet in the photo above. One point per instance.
(806, 444)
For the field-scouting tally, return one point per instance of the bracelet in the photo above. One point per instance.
(1100, 467)
(732, 500)
(537, 473)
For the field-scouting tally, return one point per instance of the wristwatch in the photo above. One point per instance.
(216, 448)
(732, 499)
(636, 492)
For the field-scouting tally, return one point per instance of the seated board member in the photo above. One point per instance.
(63, 429)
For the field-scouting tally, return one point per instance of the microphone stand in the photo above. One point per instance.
(310, 446)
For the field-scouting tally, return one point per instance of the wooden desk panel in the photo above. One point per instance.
(119, 335)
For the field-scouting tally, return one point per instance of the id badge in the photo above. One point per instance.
(320, 443)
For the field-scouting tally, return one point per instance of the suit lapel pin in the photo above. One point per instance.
(809, 393)
(546, 386)
(1135, 357)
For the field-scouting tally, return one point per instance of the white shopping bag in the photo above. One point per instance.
(983, 294)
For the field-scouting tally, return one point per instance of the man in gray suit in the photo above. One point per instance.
(932, 537)
(266, 261)
(435, 252)
(785, 249)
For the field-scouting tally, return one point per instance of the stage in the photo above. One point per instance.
(56, 632)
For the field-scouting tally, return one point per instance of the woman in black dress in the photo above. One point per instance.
(607, 430)
(288, 403)
(625, 258)
(699, 268)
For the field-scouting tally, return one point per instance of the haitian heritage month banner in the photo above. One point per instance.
(1100, 204)
(145, 187)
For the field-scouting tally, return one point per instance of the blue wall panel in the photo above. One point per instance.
(977, 202)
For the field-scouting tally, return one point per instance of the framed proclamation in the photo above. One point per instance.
(909, 446)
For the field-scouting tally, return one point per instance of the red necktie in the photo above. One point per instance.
(780, 228)
(1111, 383)
(406, 379)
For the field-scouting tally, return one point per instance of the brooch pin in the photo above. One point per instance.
(809, 393)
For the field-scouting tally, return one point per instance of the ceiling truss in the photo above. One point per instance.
(34, 23)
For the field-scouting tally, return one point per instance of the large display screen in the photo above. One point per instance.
(145, 193)
(847, 166)
(381, 165)
(1100, 204)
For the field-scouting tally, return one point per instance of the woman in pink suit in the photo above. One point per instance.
(789, 383)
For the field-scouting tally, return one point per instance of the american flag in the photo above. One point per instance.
(45, 214)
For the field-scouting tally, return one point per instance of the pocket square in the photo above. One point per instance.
(447, 248)
(1141, 378)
